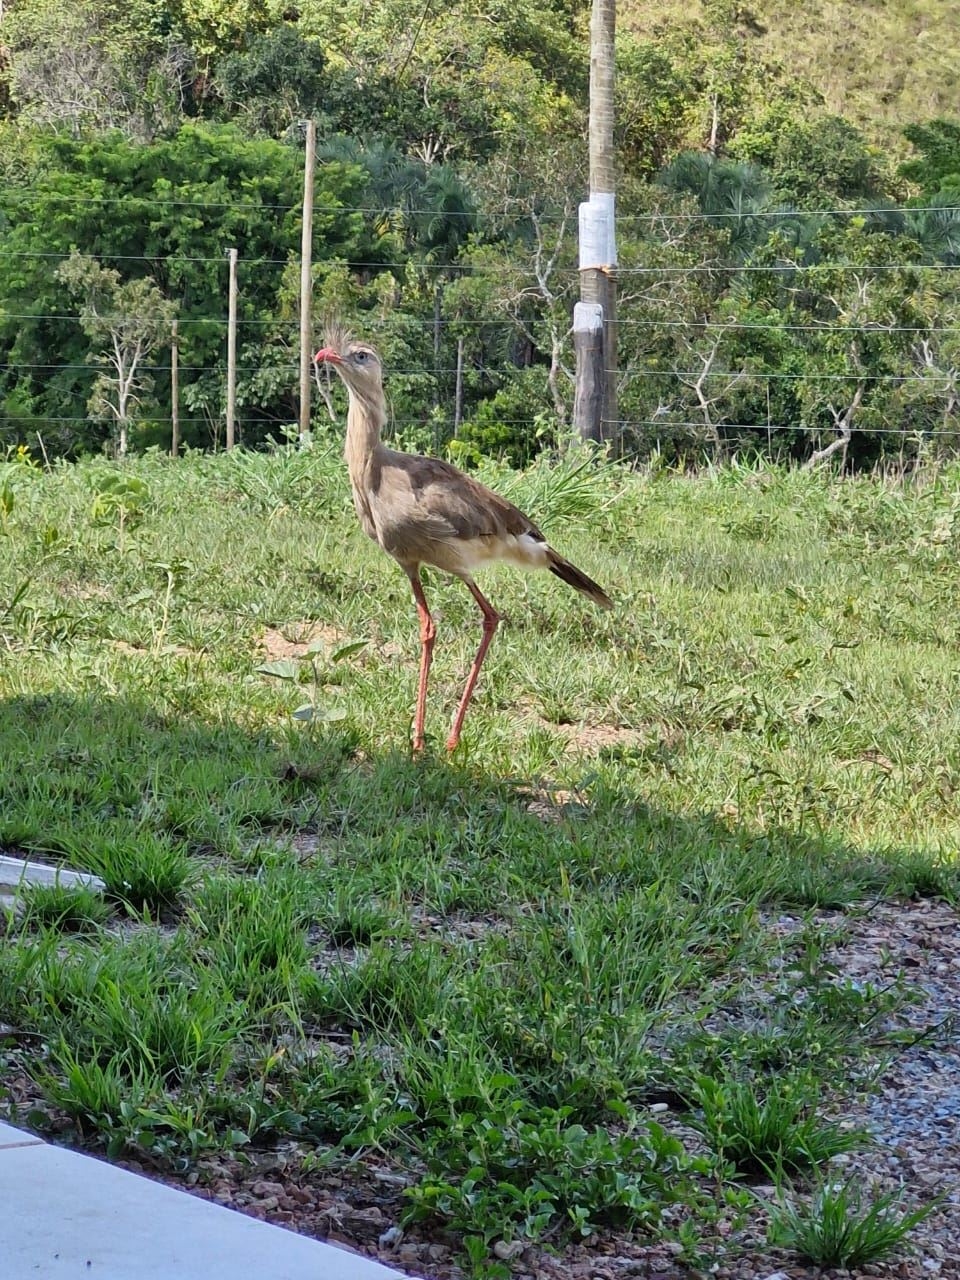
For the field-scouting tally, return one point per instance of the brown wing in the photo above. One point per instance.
(442, 502)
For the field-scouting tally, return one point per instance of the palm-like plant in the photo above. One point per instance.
(934, 224)
(730, 194)
(428, 203)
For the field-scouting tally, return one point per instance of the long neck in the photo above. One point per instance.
(366, 418)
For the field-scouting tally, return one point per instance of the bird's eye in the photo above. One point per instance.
(361, 356)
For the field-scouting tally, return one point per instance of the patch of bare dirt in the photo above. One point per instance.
(552, 804)
(456, 926)
(67, 587)
(305, 845)
(296, 639)
(590, 739)
(144, 650)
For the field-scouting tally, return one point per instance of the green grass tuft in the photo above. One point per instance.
(70, 910)
(769, 1127)
(843, 1225)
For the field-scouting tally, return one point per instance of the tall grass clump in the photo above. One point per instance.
(845, 1225)
(765, 1127)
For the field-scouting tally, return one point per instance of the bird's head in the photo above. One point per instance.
(356, 362)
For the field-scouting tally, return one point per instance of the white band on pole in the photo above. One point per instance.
(587, 317)
(598, 241)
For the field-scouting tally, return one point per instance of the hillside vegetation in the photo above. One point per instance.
(879, 63)
(789, 221)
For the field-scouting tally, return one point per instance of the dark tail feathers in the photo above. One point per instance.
(570, 574)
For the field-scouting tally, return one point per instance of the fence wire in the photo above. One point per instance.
(681, 398)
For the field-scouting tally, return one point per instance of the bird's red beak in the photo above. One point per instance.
(328, 353)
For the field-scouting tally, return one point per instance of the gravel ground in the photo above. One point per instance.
(912, 1111)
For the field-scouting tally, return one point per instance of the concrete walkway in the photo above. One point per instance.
(66, 1215)
(15, 873)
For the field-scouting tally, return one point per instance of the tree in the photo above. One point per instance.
(275, 81)
(853, 326)
(937, 166)
(817, 160)
(934, 223)
(510, 312)
(213, 26)
(531, 284)
(125, 320)
(451, 82)
(96, 65)
(654, 89)
(733, 196)
(166, 211)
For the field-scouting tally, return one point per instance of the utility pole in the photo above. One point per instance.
(306, 261)
(232, 351)
(174, 391)
(458, 392)
(595, 410)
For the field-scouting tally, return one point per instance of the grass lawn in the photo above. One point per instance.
(486, 969)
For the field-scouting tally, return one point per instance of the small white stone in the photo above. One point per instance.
(507, 1249)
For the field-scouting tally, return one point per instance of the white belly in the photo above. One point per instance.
(463, 555)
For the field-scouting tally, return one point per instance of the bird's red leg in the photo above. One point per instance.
(491, 620)
(428, 633)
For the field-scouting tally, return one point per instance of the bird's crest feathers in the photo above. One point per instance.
(337, 336)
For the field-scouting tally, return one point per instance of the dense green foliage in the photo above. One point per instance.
(786, 281)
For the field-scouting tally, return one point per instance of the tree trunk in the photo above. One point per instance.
(231, 348)
(603, 27)
(588, 341)
(306, 277)
(437, 322)
(714, 124)
(844, 423)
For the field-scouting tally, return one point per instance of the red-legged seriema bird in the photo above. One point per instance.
(425, 511)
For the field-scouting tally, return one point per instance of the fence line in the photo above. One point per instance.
(790, 268)
(696, 395)
(788, 214)
(292, 366)
(488, 269)
(661, 422)
(646, 323)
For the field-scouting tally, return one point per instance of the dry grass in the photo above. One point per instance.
(881, 63)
